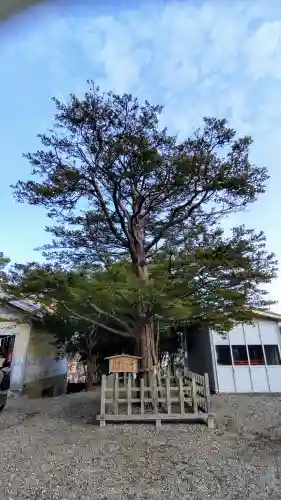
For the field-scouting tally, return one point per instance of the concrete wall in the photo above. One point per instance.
(44, 373)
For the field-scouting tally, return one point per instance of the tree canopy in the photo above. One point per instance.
(3, 263)
(124, 192)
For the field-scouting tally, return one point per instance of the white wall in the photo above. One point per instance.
(249, 377)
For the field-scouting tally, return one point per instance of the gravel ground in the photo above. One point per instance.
(51, 449)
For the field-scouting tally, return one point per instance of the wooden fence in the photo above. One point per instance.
(201, 389)
(167, 398)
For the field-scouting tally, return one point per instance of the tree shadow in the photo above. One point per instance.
(81, 408)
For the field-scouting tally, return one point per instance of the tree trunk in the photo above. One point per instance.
(91, 371)
(146, 336)
(146, 342)
(147, 347)
(137, 346)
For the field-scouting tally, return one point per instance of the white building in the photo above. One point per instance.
(36, 371)
(247, 359)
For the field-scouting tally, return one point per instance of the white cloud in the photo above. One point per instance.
(219, 57)
(266, 43)
(197, 60)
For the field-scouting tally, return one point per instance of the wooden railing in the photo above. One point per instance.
(200, 383)
(166, 398)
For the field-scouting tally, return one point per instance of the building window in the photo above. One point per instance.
(240, 355)
(256, 355)
(223, 355)
(272, 354)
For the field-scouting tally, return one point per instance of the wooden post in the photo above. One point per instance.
(211, 422)
(102, 402)
(207, 393)
(168, 393)
(159, 389)
(116, 393)
(158, 422)
(129, 394)
(181, 395)
(154, 393)
(142, 395)
(194, 393)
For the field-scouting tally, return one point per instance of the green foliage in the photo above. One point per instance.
(3, 263)
(221, 277)
(116, 182)
(142, 211)
(74, 335)
(72, 302)
(208, 280)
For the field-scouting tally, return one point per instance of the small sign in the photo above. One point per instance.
(123, 363)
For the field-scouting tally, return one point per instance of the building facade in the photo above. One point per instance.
(245, 360)
(36, 371)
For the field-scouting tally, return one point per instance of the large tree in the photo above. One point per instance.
(208, 281)
(119, 187)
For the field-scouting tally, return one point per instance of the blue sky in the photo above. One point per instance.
(208, 58)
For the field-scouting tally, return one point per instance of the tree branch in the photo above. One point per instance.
(92, 337)
(122, 219)
(118, 320)
(101, 200)
(172, 221)
(92, 321)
